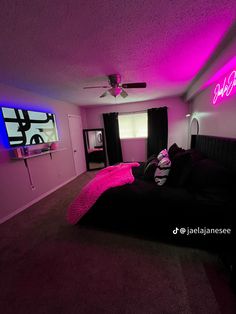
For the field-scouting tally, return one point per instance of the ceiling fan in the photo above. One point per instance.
(116, 88)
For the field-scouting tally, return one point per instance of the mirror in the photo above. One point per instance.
(94, 149)
(194, 127)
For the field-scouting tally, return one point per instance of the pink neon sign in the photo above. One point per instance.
(227, 87)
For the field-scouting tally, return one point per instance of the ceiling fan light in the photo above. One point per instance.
(115, 91)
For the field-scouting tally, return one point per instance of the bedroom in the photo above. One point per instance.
(49, 53)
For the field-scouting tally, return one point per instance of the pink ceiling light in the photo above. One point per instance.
(115, 91)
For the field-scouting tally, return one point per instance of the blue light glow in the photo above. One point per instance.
(3, 132)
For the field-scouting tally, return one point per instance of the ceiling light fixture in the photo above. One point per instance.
(115, 91)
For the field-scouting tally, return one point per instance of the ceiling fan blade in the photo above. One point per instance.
(104, 94)
(134, 85)
(123, 93)
(88, 87)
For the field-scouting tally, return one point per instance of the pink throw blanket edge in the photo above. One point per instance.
(105, 179)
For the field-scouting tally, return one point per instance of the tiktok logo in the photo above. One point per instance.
(175, 231)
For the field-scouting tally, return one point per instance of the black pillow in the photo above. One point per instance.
(180, 169)
(181, 166)
(151, 158)
(195, 155)
(173, 150)
(150, 169)
(209, 173)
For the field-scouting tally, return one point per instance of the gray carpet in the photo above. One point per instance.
(48, 266)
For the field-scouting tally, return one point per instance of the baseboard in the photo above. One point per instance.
(17, 211)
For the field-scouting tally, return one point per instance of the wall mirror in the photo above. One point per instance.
(94, 149)
(194, 127)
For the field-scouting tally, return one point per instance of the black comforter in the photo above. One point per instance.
(145, 208)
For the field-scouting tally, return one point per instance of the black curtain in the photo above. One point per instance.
(111, 126)
(157, 130)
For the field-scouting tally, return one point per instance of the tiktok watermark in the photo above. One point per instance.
(202, 231)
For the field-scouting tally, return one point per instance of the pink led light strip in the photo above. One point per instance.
(227, 87)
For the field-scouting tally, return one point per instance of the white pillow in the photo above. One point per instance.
(162, 171)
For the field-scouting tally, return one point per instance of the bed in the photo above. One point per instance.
(143, 208)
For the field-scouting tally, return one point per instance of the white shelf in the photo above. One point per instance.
(39, 154)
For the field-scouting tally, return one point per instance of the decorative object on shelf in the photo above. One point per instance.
(17, 152)
(54, 146)
(37, 151)
(46, 149)
(26, 151)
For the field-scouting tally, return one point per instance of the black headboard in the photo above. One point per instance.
(218, 148)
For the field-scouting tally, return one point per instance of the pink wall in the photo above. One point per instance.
(218, 119)
(47, 174)
(135, 149)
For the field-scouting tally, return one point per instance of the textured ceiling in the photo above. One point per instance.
(57, 47)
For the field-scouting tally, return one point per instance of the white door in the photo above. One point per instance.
(76, 134)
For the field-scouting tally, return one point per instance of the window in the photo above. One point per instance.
(133, 125)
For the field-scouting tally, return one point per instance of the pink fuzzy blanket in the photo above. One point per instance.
(105, 179)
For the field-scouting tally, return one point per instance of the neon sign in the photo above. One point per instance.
(227, 87)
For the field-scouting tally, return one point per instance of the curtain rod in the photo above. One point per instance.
(140, 111)
(132, 112)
